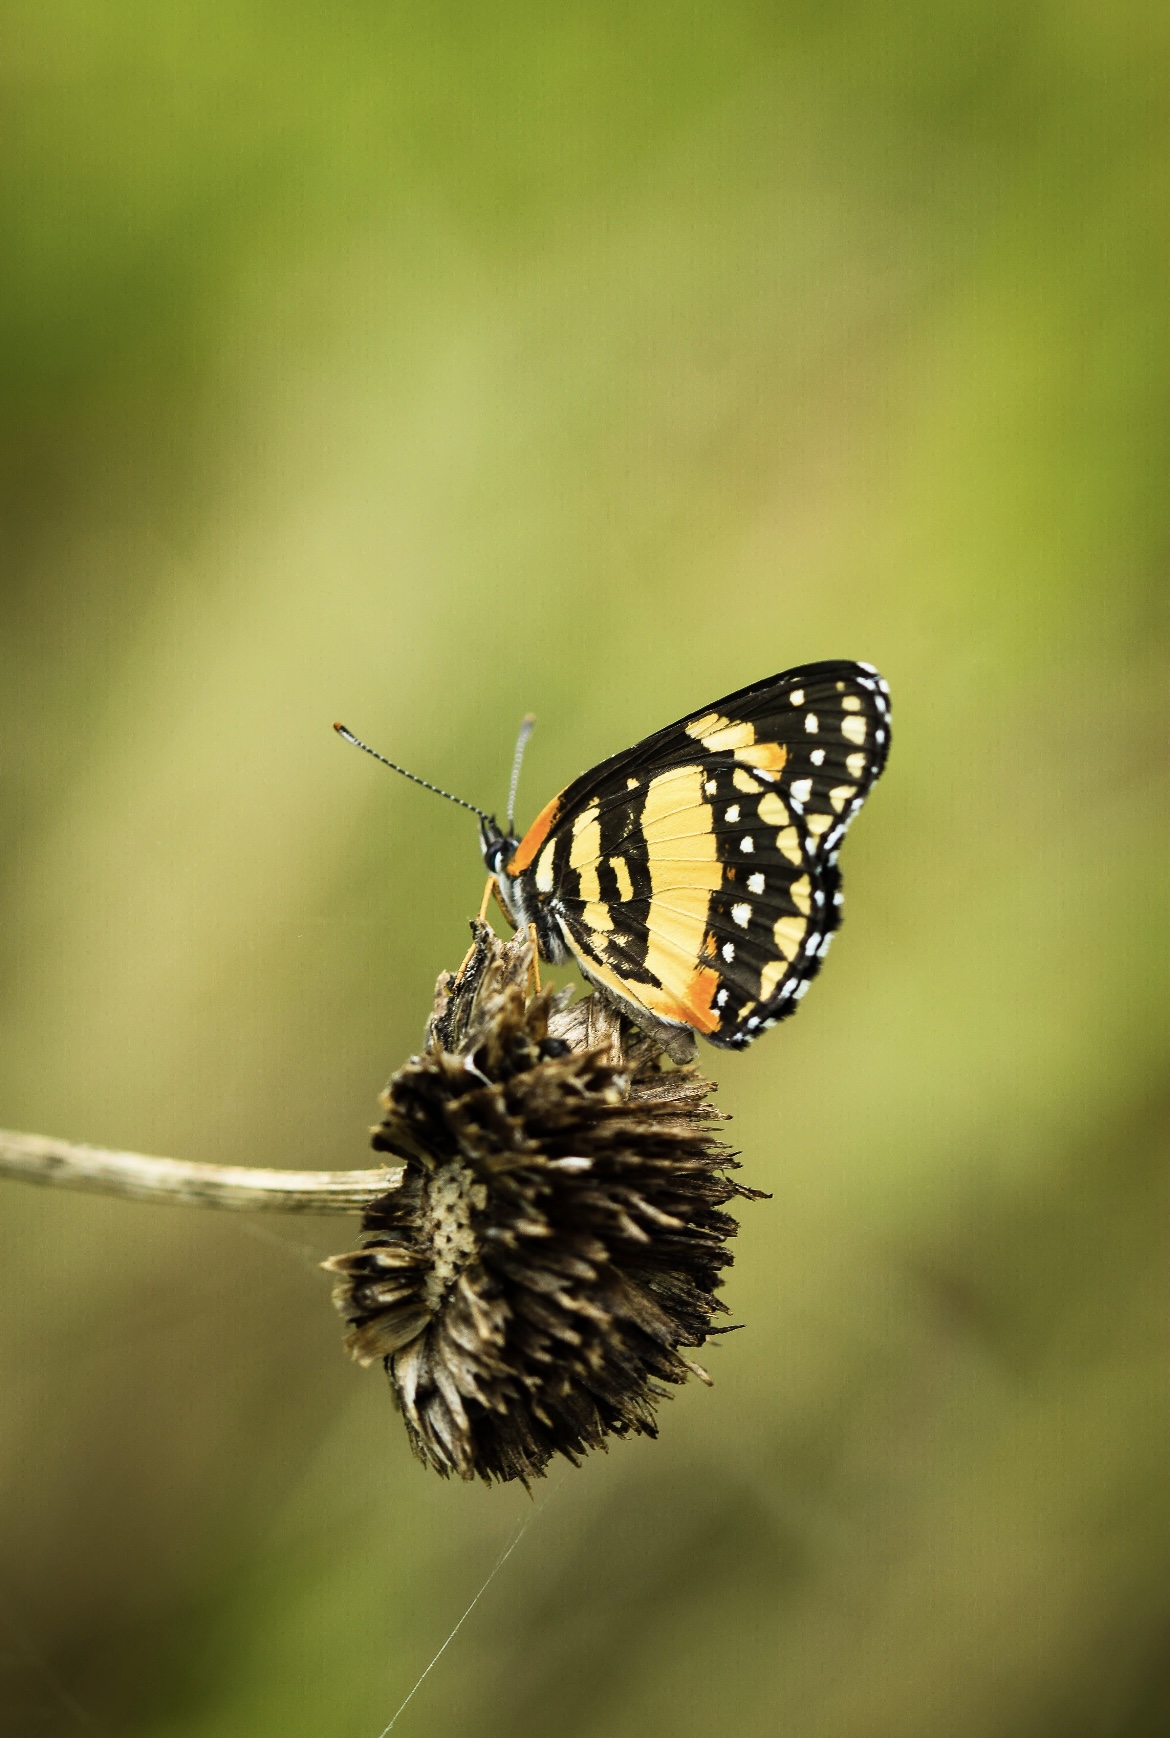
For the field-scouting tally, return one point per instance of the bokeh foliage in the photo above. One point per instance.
(421, 364)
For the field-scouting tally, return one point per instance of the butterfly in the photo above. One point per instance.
(693, 877)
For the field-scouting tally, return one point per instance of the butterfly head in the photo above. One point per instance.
(497, 846)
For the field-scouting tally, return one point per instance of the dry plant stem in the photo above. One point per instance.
(65, 1165)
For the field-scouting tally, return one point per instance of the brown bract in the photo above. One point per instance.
(558, 1238)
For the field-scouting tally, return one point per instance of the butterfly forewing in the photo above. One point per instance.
(695, 874)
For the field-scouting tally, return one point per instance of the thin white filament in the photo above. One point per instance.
(499, 1565)
(526, 724)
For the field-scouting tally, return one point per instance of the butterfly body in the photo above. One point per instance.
(693, 877)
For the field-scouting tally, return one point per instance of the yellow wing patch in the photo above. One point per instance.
(683, 859)
(621, 871)
(585, 851)
(788, 933)
(788, 844)
(767, 756)
(722, 736)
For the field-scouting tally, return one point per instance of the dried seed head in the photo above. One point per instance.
(558, 1234)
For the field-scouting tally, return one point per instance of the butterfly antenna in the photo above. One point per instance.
(526, 724)
(413, 776)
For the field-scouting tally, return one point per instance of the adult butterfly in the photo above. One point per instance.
(694, 876)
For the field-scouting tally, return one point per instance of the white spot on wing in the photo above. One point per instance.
(742, 914)
(817, 757)
(797, 697)
(732, 814)
(853, 729)
(728, 951)
(811, 723)
(747, 844)
(756, 883)
(802, 789)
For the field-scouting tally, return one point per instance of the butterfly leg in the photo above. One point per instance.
(535, 959)
(493, 892)
(486, 900)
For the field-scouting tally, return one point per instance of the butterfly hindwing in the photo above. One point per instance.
(695, 874)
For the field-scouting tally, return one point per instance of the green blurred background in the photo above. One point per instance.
(419, 364)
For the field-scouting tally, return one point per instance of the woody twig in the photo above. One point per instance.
(177, 1182)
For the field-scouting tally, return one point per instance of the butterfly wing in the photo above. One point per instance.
(695, 875)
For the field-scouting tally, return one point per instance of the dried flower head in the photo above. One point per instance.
(557, 1238)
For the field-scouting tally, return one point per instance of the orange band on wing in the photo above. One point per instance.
(534, 838)
(694, 1009)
